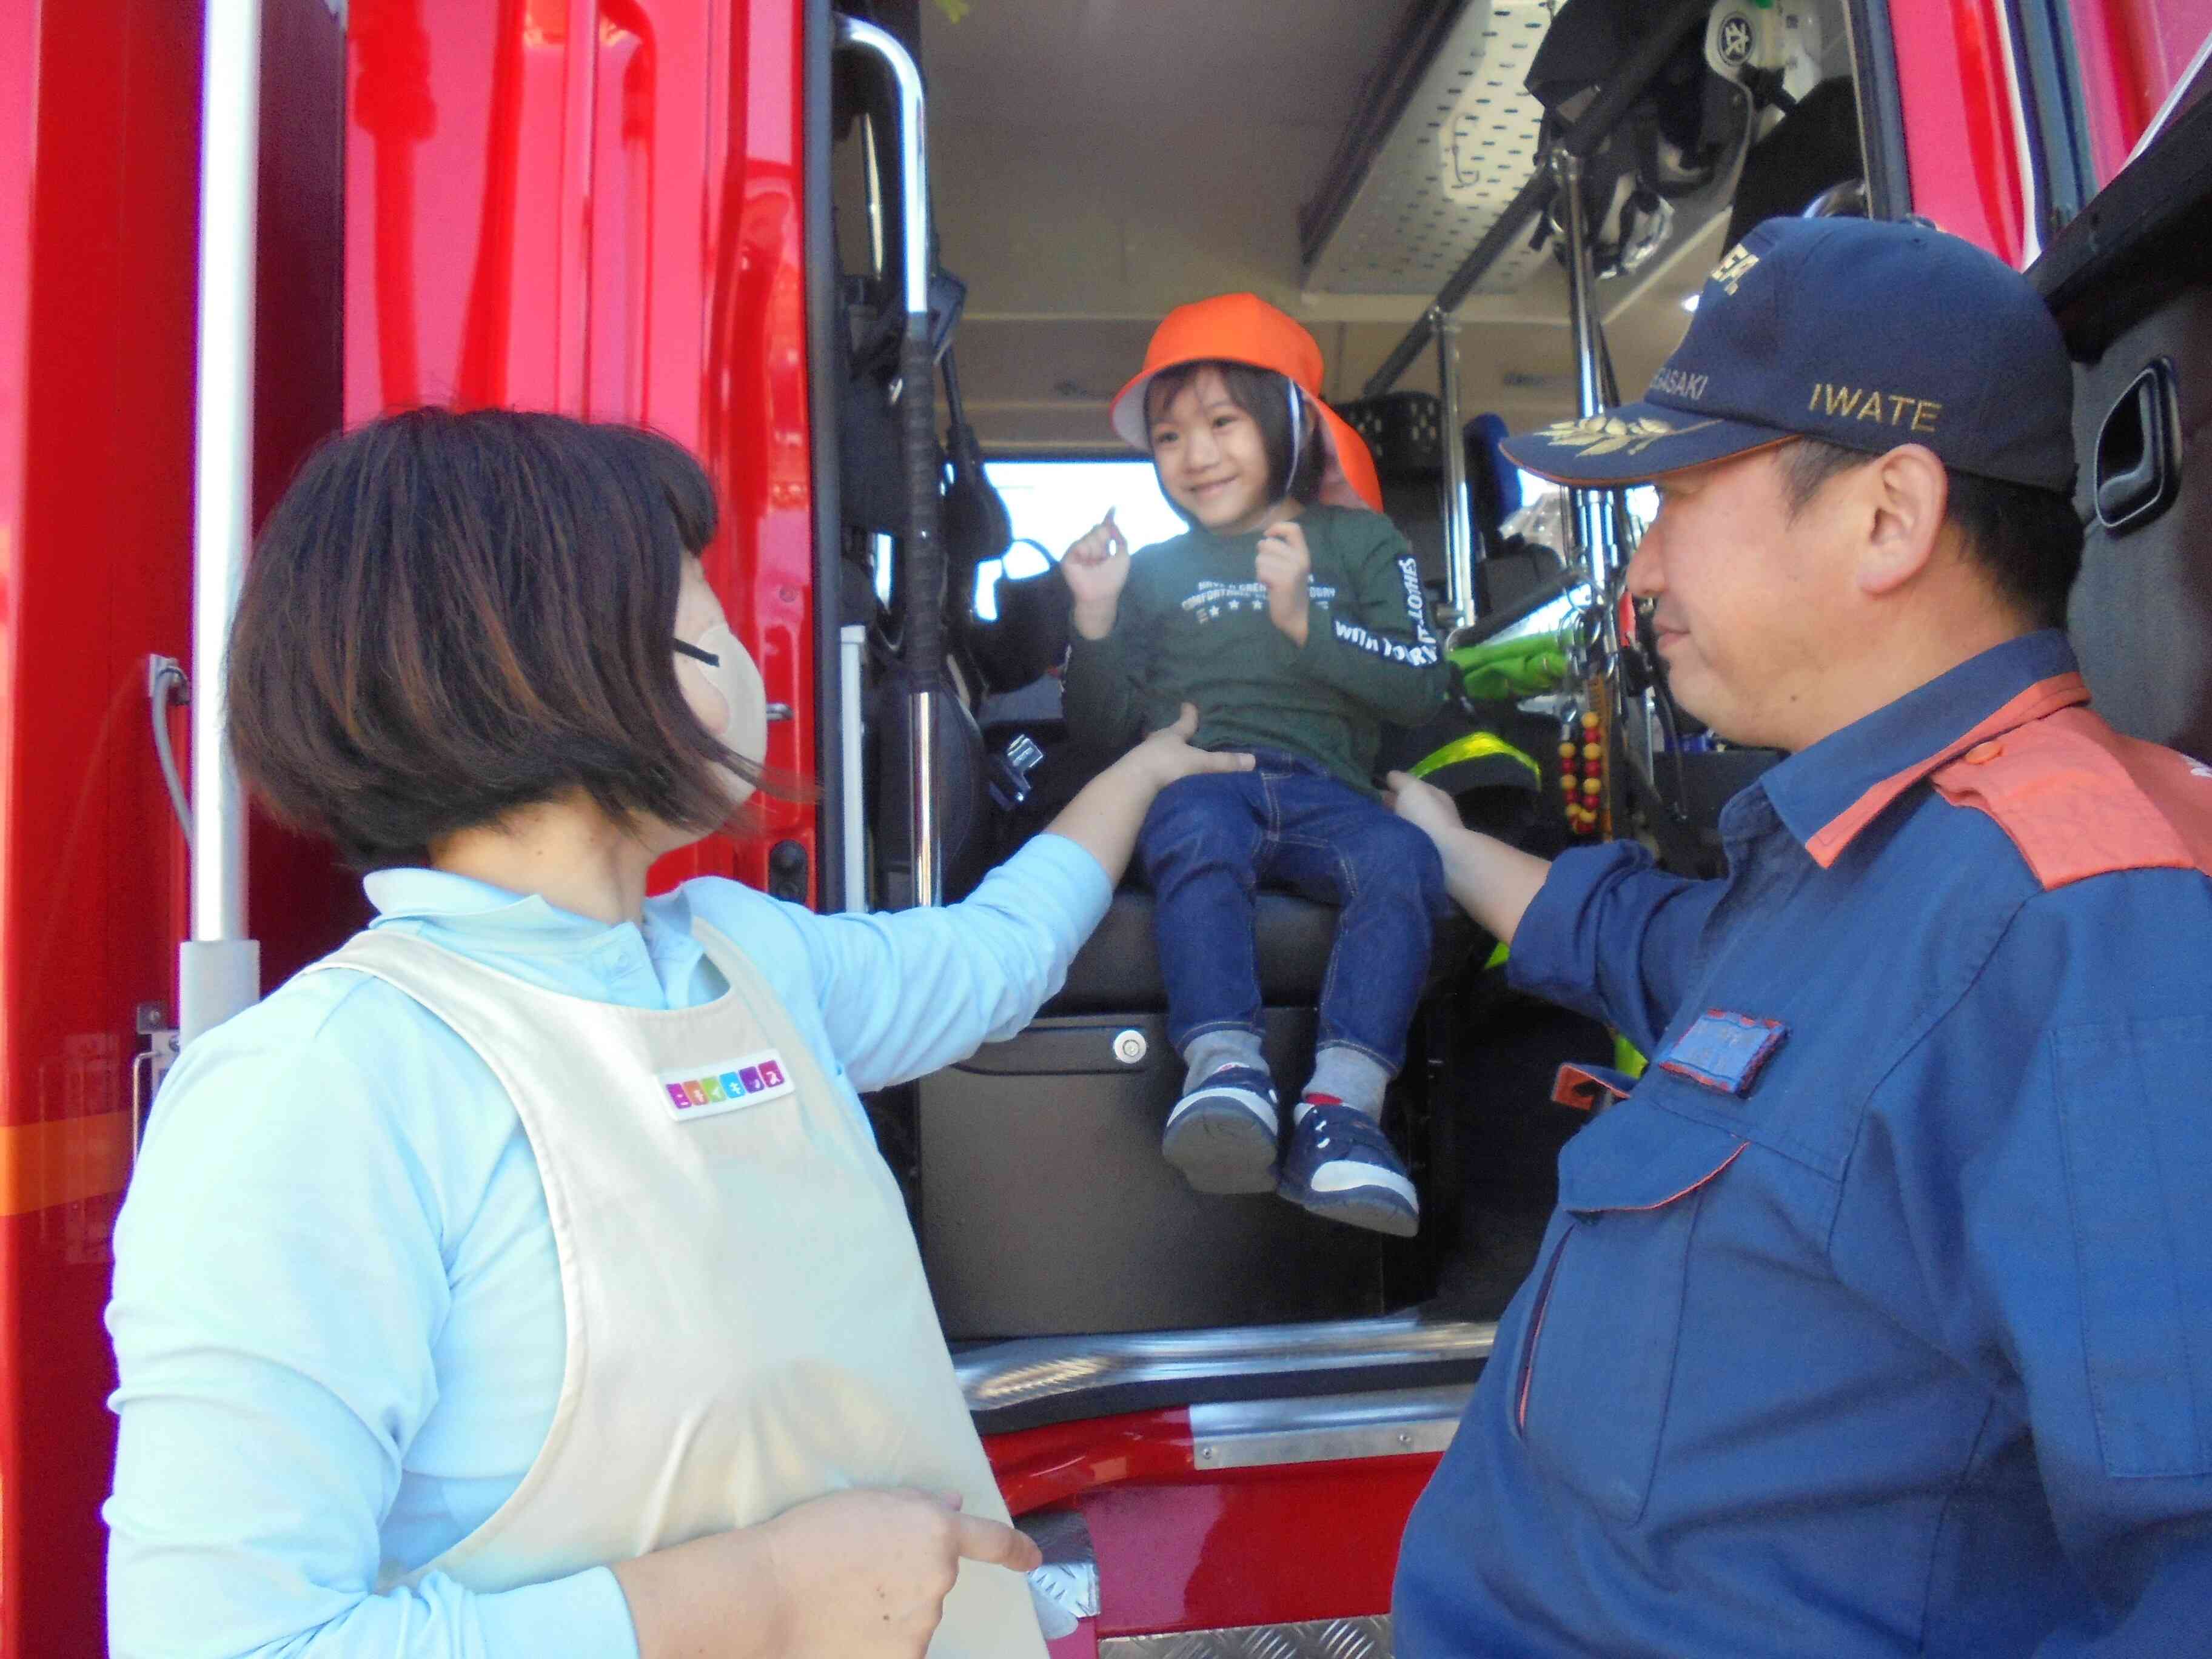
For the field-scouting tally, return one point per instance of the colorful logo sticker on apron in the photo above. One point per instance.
(694, 1092)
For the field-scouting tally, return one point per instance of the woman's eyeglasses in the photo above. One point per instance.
(684, 647)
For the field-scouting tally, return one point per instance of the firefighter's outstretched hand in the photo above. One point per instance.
(1490, 880)
(1285, 568)
(1424, 806)
(1095, 570)
(1167, 754)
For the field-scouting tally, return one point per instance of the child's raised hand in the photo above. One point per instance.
(1096, 570)
(1285, 568)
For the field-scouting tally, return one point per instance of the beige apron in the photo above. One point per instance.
(747, 1322)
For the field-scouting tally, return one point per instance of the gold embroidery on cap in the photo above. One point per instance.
(1891, 409)
(1609, 435)
(1732, 270)
(1680, 383)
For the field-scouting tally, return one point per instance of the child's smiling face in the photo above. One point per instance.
(1211, 457)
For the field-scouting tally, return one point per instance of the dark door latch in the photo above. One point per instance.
(2138, 467)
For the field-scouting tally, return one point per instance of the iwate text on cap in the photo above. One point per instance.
(1868, 333)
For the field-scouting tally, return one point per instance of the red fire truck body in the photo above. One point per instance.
(614, 209)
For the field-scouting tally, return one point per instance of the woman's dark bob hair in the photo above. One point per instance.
(452, 616)
(1265, 396)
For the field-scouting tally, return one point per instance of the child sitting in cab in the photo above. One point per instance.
(1291, 614)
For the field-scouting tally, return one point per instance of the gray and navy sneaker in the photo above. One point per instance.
(1223, 1135)
(1342, 1166)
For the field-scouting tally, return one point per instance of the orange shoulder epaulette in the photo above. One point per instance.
(2079, 799)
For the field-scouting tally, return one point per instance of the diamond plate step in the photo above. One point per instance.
(1320, 1639)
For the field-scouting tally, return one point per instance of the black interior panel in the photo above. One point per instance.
(2130, 279)
(1047, 1210)
(2141, 615)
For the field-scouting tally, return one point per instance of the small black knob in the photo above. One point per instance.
(786, 872)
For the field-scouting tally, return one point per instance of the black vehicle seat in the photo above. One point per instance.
(1047, 1208)
(1118, 969)
(1045, 1204)
(1028, 638)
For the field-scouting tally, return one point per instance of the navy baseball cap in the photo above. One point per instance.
(1868, 333)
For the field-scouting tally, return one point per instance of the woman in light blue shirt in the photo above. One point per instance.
(340, 1314)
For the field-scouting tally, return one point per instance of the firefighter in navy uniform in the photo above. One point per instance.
(1877, 1319)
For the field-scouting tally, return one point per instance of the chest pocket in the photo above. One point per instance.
(1597, 1364)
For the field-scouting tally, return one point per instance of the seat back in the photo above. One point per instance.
(1814, 146)
(1028, 638)
(1403, 431)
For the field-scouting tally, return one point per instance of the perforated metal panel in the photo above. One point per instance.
(1324, 1639)
(1465, 145)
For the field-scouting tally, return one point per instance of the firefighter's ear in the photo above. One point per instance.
(1897, 508)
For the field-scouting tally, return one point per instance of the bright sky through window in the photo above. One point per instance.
(1053, 503)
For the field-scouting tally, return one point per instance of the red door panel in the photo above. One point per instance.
(592, 206)
(99, 189)
(1961, 134)
(2131, 54)
(1181, 1547)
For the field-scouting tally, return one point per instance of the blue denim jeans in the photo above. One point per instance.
(1210, 841)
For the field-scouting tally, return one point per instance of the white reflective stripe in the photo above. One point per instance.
(1343, 1176)
(1422, 653)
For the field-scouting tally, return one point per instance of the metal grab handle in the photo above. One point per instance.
(167, 683)
(219, 968)
(921, 559)
(1459, 514)
(1592, 517)
(150, 1067)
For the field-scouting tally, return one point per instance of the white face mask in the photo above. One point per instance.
(736, 678)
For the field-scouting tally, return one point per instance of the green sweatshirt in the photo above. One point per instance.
(1192, 626)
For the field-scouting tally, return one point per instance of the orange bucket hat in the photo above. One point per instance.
(1243, 328)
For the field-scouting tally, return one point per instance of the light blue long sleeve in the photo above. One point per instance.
(337, 1315)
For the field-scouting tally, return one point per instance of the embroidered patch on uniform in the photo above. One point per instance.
(706, 1091)
(1724, 1051)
